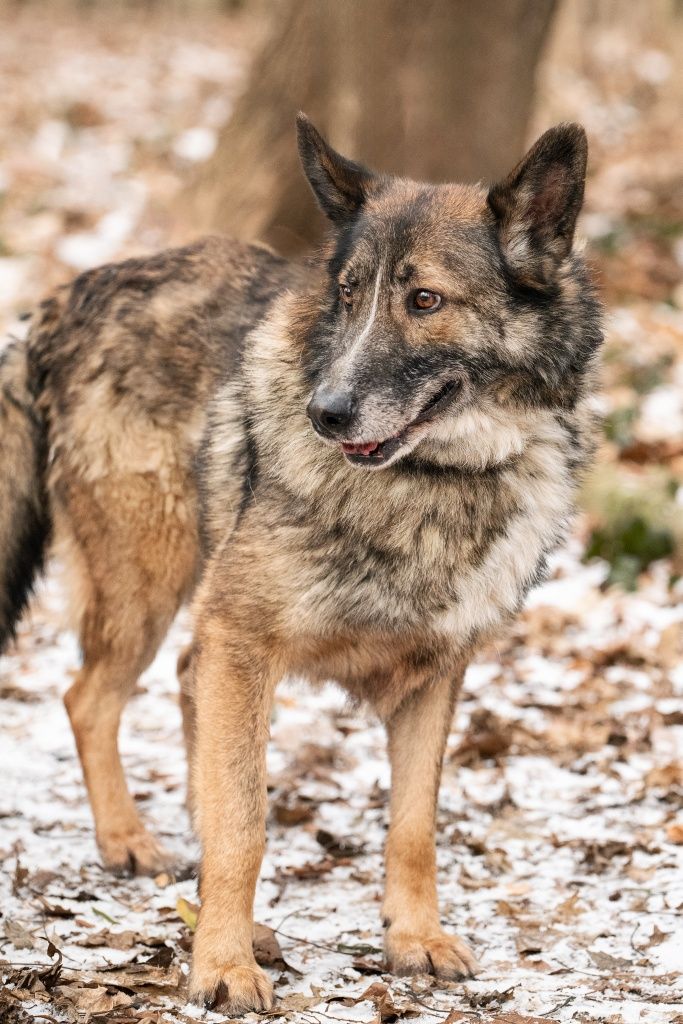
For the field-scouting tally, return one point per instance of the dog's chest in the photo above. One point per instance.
(453, 560)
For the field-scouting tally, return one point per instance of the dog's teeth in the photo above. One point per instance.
(360, 449)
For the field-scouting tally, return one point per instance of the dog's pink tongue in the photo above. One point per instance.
(359, 449)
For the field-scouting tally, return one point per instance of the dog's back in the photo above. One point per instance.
(135, 349)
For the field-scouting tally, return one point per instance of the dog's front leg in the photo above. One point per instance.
(414, 940)
(233, 694)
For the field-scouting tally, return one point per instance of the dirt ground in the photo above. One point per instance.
(561, 814)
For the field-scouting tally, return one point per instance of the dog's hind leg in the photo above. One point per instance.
(415, 942)
(133, 566)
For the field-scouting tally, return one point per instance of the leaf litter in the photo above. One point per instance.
(560, 825)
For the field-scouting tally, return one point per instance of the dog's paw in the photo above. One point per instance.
(438, 953)
(135, 853)
(235, 989)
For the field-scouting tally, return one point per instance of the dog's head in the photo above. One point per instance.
(446, 302)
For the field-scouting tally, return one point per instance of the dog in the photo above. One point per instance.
(359, 466)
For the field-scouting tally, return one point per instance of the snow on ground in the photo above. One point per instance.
(560, 821)
(557, 822)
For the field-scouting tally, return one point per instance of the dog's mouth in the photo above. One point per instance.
(377, 453)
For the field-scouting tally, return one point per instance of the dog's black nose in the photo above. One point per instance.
(331, 412)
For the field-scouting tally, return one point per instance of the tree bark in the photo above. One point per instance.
(440, 90)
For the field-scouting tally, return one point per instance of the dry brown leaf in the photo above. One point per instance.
(339, 846)
(134, 976)
(670, 644)
(488, 737)
(9, 691)
(605, 962)
(364, 965)
(18, 935)
(266, 947)
(674, 833)
(95, 999)
(665, 776)
(507, 909)
(292, 813)
(529, 942)
(387, 1009)
(569, 908)
(313, 870)
(36, 978)
(40, 880)
(296, 1002)
(657, 937)
(116, 940)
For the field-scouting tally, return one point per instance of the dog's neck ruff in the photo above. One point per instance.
(441, 546)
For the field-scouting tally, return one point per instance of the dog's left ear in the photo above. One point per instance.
(537, 205)
(340, 185)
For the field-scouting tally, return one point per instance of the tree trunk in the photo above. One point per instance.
(440, 90)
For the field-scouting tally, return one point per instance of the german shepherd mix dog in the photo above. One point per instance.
(381, 449)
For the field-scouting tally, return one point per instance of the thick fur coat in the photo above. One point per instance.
(367, 461)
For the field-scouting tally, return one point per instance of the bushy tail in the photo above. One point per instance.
(24, 512)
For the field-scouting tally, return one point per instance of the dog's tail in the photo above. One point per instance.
(24, 511)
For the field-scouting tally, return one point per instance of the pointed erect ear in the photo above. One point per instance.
(536, 206)
(340, 185)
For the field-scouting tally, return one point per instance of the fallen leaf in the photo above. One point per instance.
(569, 908)
(30, 977)
(665, 776)
(55, 909)
(117, 940)
(605, 962)
(20, 878)
(18, 935)
(288, 813)
(529, 942)
(657, 936)
(9, 691)
(11, 1012)
(366, 966)
(312, 869)
(188, 912)
(40, 880)
(132, 976)
(266, 947)
(338, 846)
(296, 1002)
(387, 1009)
(674, 833)
(488, 737)
(95, 999)
(162, 958)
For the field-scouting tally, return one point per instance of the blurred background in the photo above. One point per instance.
(125, 127)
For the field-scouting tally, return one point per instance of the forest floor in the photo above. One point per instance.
(560, 838)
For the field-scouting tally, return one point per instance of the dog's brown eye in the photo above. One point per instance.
(425, 301)
(346, 292)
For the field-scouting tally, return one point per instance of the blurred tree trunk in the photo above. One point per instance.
(440, 90)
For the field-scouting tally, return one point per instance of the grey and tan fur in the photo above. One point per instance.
(387, 460)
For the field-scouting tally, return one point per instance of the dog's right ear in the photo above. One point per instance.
(340, 185)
